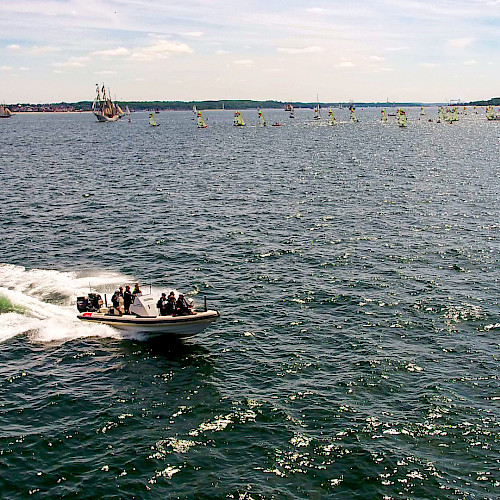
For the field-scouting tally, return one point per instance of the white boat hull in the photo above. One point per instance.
(178, 326)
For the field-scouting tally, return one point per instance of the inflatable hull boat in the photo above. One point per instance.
(144, 318)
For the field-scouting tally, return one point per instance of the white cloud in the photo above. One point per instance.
(345, 64)
(303, 50)
(161, 49)
(221, 52)
(194, 34)
(460, 43)
(41, 50)
(244, 62)
(396, 49)
(104, 72)
(5, 68)
(23, 68)
(470, 62)
(428, 65)
(315, 10)
(72, 62)
(376, 58)
(120, 51)
(13, 46)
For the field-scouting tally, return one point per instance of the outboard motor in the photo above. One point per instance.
(91, 303)
(82, 304)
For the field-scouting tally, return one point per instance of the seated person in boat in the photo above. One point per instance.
(137, 290)
(162, 304)
(114, 299)
(182, 307)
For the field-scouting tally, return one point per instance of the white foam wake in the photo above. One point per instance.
(48, 301)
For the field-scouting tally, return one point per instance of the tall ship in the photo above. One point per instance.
(5, 112)
(104, 108)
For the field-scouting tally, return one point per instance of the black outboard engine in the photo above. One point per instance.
(82, 304)
(91, 303)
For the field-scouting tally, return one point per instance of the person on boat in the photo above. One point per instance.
(182, 307)
(127, 299)
(114, 299)
(121, 305)
(171, 304)
(137, 290)
(121, 291)
(162, 304)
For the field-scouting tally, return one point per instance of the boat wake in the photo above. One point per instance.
(41, 304)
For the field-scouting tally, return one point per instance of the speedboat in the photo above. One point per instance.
(143, 317)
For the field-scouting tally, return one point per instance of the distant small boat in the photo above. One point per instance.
(127, 112)
(262, 121)
(384, 117)
(331, 118)
(353, 118)
(157, 111)
(152, 121)
(104, 108)
(201, 122)
(422, 111)
(277, 124)
(289, 106)
(401, 117)
(5, 112)
(238, 120)
(491, 115)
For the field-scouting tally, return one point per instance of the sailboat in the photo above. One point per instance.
(152, 121)
(440, 114)
(238, 120)
(422, 111)
(201, 122)
(104, 108)
(491, 115)
(262, 121)
(384, 117)
(331, 118)
(401, 117)
(127, 112)
(5, 112)
(292, 113)
(353, 118)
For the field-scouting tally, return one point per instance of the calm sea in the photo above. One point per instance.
(356, 269)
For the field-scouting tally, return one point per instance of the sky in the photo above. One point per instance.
(288, 50)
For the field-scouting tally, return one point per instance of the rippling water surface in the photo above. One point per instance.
(356, 269)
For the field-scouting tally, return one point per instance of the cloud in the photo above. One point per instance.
(5, 68)
(13, 46)
(315, 10)
(460, 43)
(396, 49)
(23, 68)
(345, 64)
(161, 49)
(428, 65)
(37, 50)
(303, 50)
(72, 62)
(244, 62)
(104, 72)
(221, 52)
(376, 58)
(120, 51)
(194, 34)
(470, 62)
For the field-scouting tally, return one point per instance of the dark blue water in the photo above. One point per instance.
(356, 268)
